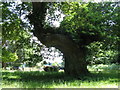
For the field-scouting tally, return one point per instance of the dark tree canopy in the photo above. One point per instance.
(83, 22)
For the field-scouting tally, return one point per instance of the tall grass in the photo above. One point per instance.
(36, 79)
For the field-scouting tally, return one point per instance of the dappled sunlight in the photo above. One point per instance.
(36, 79)
(60, 44)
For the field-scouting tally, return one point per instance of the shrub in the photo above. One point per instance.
(50, 68)
(102, 67)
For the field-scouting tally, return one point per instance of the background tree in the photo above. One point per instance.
(17, 42)
(10, 33)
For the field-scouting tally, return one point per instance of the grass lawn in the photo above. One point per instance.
(36, 79)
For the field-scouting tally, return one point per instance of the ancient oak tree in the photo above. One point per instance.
(83, 24)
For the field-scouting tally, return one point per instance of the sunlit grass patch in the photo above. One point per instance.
(35, 79)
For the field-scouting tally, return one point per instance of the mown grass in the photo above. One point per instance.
(36, 79)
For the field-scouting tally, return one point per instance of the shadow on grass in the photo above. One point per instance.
(47, 79)
(35, 76)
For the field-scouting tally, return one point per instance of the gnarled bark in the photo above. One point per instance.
(75, 63)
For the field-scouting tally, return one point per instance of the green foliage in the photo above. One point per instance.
(99, 53)
(16, 34)
(105, 68)
(11, 32)
(8, 56)
(90, 19)
(11, 28)
(85, 23)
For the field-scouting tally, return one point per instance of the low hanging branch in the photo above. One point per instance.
(47, 38)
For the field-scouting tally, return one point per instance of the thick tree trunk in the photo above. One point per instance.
(75, 63)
